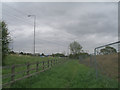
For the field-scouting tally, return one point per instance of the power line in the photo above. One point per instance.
(20, 12)
(17, 10)
(23, 20)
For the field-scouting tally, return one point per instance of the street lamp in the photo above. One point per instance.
(12, 42)
(34, 30)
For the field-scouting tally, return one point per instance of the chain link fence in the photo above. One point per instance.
(104, 60)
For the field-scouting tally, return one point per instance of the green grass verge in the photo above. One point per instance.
(71, 74)
(16, 59)
(21, 59)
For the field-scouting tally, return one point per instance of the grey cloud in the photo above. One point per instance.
(58, 24)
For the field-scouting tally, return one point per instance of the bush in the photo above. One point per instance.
(76, 56)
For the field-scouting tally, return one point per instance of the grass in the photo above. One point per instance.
(69, 75)
(21, 59)
(16, 59)
(106, 64)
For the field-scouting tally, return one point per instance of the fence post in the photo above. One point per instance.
(28, 66)
(54, 62)
(48, 63)
(43, 65)
(37, 63)
(91, 60)
(12, 72)
(51, 63)
(95, 63)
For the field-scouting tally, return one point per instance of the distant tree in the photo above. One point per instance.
(21, 53)
(5, 40)
(75, 47)
(58, 55)
(28, 53)
(108, 50)
(42, 54)
(12, 52)
(24, 53)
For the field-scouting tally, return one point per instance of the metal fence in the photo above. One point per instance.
(104, 63)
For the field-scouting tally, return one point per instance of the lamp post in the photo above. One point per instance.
(12, 42)
(34, 31)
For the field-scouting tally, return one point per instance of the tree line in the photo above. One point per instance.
(38, 54)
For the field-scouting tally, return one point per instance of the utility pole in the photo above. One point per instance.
(34, 31)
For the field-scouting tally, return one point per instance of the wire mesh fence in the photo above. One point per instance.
(104, 60)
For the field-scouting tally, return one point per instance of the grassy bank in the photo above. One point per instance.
(21, 59)
(69, 75)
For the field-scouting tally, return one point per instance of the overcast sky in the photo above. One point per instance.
(59, 24)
